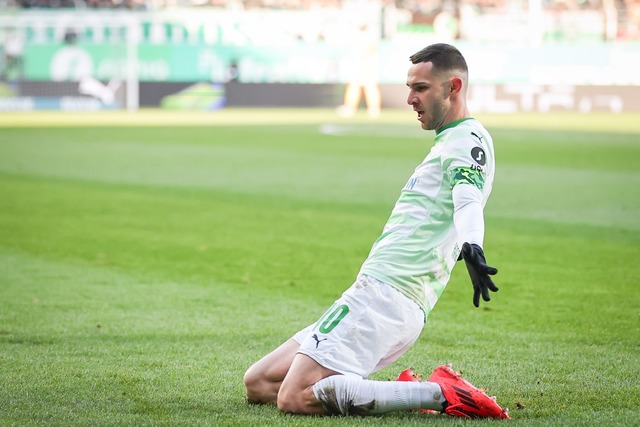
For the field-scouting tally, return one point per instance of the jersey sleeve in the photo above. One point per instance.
(464, 161)
(468, 216)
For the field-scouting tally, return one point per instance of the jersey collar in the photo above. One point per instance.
(452, 124)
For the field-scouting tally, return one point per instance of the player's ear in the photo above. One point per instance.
(455, 84)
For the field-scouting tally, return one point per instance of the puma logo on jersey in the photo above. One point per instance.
(318, 340)
(479, 137)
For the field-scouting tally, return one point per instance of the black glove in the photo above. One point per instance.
(479, 272)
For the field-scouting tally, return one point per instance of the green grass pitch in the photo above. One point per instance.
(146, 260)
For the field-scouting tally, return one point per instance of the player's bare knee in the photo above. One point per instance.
(298, 402)
(249, 378)
(286, 402)
(253, 383)
(292, 405)
(290, 400)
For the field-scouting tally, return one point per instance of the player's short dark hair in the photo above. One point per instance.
(443, 57)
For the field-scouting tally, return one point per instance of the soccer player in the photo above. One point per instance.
(437, 220)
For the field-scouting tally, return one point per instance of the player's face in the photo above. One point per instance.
(428, 95)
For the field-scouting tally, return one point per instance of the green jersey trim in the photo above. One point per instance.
(452, 124)
(466, 176)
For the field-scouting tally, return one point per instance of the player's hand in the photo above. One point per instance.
(479, 272)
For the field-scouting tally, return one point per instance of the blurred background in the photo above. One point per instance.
(524, 55)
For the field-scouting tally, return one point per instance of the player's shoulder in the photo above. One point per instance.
(468, 144)
(465, 135)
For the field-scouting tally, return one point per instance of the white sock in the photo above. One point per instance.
(351, 395)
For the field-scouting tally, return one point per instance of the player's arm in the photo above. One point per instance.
(468, 218)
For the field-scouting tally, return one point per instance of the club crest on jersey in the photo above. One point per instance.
(478, 156)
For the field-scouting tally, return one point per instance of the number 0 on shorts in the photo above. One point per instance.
(332, 317)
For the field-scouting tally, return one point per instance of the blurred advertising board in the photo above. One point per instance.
(113, 56)
(264, 46)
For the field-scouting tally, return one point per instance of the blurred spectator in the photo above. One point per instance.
(12, 56)
(363, 75)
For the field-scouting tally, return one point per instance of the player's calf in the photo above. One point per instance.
(352, 395)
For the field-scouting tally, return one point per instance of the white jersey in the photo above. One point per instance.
(419, 245)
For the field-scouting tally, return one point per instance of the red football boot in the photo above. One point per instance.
(409, 375)
(464, 399)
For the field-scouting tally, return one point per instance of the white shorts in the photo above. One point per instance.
(370, 326)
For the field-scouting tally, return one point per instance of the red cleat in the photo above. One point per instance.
(409, 375)
(464, 399)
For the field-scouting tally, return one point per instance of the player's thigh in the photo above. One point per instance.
(274, 366)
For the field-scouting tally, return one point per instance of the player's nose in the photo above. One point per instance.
(412, 99)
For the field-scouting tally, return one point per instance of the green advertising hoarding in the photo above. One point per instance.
(60, 62)
(187, 62)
